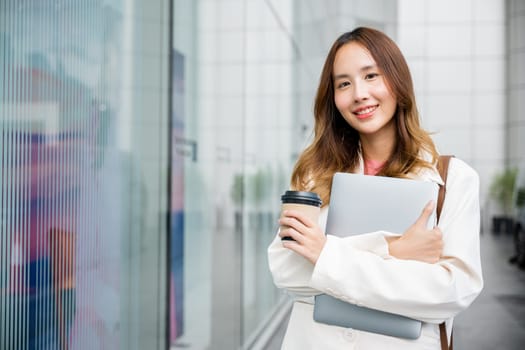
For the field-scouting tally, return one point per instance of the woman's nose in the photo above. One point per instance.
(360, 92)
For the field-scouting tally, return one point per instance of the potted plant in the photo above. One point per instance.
(502, 191)
(249, 191)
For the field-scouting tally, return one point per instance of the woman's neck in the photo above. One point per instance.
(379, 146)
(377, 150)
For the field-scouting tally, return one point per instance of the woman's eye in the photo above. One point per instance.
(371, 76)
(343, 84)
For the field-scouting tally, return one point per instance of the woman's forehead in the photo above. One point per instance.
(352, 56)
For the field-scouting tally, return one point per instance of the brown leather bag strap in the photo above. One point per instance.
(442, 167)
(443, 337)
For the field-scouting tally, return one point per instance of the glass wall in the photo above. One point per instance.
(235, 115)
(141, 180)
(83, 159)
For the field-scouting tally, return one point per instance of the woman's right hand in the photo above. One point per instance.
(418, 243)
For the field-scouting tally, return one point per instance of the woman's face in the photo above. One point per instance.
(361, 93)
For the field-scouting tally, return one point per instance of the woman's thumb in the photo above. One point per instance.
(425, 214)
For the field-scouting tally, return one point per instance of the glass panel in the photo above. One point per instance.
(235, 98)
(81, 229)
(268, 152)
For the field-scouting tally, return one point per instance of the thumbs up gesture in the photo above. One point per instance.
(418, 243)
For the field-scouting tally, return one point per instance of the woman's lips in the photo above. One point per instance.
(365, 112)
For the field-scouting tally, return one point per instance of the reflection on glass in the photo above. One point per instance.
(179, 145)
(239, 109)
(65, 209)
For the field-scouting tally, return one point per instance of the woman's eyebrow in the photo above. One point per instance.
(341, 76)
(369, 67)
(363, 69)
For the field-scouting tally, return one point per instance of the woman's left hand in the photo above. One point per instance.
(309, 239)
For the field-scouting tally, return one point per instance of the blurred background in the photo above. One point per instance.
(144, 147)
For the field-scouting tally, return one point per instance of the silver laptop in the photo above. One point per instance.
(361, 204)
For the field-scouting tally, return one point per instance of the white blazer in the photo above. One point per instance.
(358, 269)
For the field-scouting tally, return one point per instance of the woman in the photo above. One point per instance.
(366, 121)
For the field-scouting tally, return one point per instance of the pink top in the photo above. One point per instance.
(372, 167)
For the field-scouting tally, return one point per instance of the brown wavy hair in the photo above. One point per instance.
(336, 145)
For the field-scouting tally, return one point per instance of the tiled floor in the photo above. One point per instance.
(496, 319)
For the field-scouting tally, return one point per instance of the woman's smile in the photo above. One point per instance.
(365, 112)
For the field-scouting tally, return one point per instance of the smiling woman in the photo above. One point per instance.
(366, 122)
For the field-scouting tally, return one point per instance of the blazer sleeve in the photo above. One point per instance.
(428, 292)
(292, 272)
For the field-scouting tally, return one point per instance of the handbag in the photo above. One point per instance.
(442, 167)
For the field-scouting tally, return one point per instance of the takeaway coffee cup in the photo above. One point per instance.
(307, 202)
